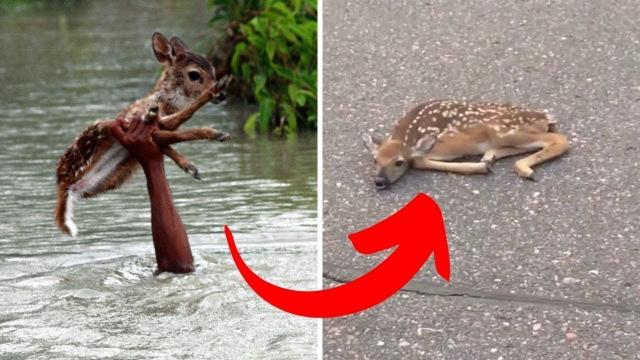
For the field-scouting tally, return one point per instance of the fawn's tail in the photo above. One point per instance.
(64, 210)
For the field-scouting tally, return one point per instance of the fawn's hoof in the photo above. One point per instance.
(222, 137)
(193, 171)
(524, 172)
(491, 160)
(488, 167)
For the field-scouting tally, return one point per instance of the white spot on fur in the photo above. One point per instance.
(551, 119)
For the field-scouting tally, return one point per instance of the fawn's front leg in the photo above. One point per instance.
(182, 162)
(174, 121)
(166, 137)
(465, 168)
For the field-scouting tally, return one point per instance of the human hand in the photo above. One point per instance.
(138, 139)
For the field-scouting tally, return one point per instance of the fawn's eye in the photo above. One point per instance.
(399, 163)
(194, 75)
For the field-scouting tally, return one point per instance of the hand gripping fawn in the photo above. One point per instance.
(436, 132)
(95, 162)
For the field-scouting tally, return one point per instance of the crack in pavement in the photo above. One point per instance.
(427, 289)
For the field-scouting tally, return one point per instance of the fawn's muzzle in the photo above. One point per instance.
(381, 182)
(221, 85)
(219, 98)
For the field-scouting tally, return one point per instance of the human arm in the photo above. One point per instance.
(173, 253)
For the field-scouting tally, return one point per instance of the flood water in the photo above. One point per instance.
(95, 296)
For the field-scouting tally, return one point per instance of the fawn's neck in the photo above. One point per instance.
(167, 109)
(169, 99)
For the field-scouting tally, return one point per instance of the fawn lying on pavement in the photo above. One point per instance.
(438, 131)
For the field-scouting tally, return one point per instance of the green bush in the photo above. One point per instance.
(271, 50)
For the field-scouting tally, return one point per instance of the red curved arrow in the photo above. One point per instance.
(417, 230)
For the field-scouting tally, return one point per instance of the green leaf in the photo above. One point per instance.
(301, 99)
(271, 49)
(259, 80)
(282, 8)
(290, 115)
(250, 124)
(256, 40)
(260, 25)
(296, 5)
(307, 93)
(245, 70)
(296, 95)
(237, 53)
(292, 89)
(265, 110)
(289, 35)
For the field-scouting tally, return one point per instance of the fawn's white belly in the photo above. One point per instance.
(452, 153)
(480, 148)
(101, 171)
(105, 166)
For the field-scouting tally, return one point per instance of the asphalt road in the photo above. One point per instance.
(546, 269)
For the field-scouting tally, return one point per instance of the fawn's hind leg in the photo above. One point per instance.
(496, 154)
(553, 145)
(165, 137)
(182, 162)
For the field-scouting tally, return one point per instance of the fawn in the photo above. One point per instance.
(95, 162)
(433, 133)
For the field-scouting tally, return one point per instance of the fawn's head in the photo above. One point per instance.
(392, 157)
(186, 74)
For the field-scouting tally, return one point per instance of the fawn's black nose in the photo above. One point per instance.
(381, 183)
(221, 97)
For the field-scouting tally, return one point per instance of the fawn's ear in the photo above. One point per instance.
(423, 146)
(178, 46)
(372, 142)
(162, 49)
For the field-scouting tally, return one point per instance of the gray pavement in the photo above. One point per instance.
(546, 269)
